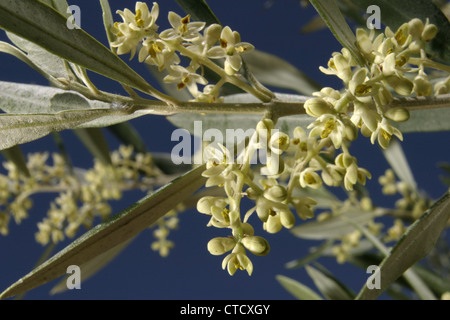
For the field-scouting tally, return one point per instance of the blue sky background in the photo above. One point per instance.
(190, 272)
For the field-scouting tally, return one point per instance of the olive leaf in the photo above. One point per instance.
(298, 290)
(332, 15)
(43, 25)
(111, 233)
(415, 244)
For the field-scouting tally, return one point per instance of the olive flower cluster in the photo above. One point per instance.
(190, 39)
(394, 62)
(83, 195)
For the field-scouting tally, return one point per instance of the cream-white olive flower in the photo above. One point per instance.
(223, 218)
(442, 86)
(340, 65)
(368, 44)
(274, 165)
(316, 107)
(157, 53)
(265, 207)
(304, 207)
(332, 175)
(135, 27)
(185, 79)
(182, 29)
(279, 142)
(402, 36)
(237, 259)
(353, 173)
(363, 115)
(205, 204)
(301, 143)
(384, 132)
(310, 178)
(422, 85)
(337, 100)
(231, 49)
(331, 126)
(210, 94)
(359, 87)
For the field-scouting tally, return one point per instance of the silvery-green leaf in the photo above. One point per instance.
(328, 285)
(94, 140)
(413, 279)
(91, 267)
(239, 124)
(15, 155)
(314, 254)
(108, 19)
(50, 63)
(274, 71)
(114, 231)
(332, 15)
(17, 129)
(334, 226)
(395, 156)
(298, 290)
(419, 239)
(199, 10)
(18, 98)
(41, 24)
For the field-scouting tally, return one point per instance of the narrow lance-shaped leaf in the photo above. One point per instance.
(116, 230)
(395, 156)
(108, 20)
(315, 254)
(298, 290)
(95, 142)
(332, 15)
(333, 227)
(416, 243)
(128, 135)
(328, 285)
(274, 71)
(199, 10)
(18, 129)
(19, 54)
(90, 268)
(15, 155)
(411, 277)
(41, 24)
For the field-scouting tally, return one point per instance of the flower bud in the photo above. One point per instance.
(212, 34)
(402, 86)
(416, 28)
(316, 107)
(273, 224)
(256, 245)
(204, 204)
(287, 219)
(220, 245)
(247, 229)
(350, 131)
(397, 114)
(429, 32)
(276, 193)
